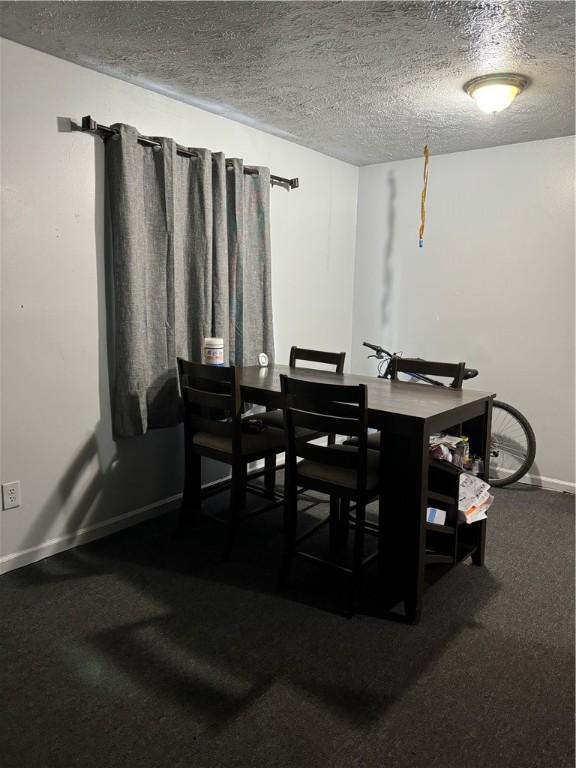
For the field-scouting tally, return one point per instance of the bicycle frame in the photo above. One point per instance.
(382, 354)
(420, 376)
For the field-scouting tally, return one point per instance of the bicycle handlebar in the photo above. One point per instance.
(379, 350)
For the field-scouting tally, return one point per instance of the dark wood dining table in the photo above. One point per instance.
(406, 413)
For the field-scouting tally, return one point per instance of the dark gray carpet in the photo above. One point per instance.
(143, 650)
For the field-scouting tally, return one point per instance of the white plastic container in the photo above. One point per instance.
(436, 516)
(213, 351)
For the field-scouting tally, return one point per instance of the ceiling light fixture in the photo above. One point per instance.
(493, 93)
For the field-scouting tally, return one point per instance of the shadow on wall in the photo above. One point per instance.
(107, 479)
(388, 251)
(96, 488)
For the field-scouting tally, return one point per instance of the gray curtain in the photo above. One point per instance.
(190, 258)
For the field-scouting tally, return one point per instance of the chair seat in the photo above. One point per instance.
(373, 441)
(276, 419)
(268, 439)
(341, 476)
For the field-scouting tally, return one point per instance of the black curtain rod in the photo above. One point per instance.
(104, 131)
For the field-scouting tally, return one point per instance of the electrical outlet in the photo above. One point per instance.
(11, 495)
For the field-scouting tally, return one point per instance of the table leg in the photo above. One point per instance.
(339, 521)
(478, 430)
(334, 521)
(270, 476)
(402, 537)
(270, 467)
(478, 554)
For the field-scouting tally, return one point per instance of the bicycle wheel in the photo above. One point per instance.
(512, 445)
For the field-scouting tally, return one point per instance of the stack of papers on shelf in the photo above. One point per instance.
(449, 440)
(442, 446)
(474, 498)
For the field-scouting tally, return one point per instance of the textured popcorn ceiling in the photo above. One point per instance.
(364, 82)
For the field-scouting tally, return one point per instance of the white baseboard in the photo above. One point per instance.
(106, 527)
(549, 483)
(84, 535)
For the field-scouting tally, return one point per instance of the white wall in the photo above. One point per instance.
(56, 436)
(493, 285)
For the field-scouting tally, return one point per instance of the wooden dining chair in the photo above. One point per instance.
(275, 418)
(412, 365)
(214, 428)
(334, 360)
(344, 473)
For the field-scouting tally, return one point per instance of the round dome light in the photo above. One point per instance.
(493, 93)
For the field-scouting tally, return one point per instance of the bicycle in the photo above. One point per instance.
(512, 439)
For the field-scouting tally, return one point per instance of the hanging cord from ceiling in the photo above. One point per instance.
(423, 198)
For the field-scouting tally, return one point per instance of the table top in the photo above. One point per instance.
(421, 401)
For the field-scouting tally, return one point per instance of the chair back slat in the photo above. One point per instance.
(201, 397)
(321, 422)
(199, 371)
(454, 371)
(321, 392)
(206, 384)
(335, 359)
(326, 407)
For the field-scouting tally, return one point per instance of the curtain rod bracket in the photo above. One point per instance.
(89, 125)
(278, 181)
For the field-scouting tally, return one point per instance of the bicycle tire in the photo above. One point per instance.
(516, 424)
